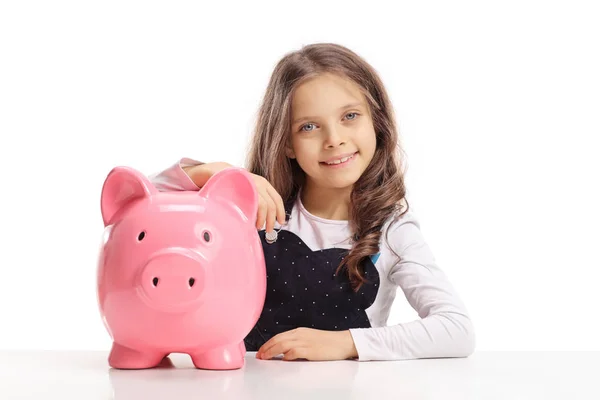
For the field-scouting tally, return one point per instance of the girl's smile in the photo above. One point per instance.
(341, 161)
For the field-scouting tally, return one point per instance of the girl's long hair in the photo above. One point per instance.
(379, 192)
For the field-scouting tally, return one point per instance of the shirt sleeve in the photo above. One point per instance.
(174, 177)
(444, 328)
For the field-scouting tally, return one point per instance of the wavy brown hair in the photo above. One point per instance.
(379, 192)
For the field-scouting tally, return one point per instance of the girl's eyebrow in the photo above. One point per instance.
(341, 108)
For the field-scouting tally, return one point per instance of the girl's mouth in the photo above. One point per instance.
(343, 162)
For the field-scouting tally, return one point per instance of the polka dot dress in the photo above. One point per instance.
(304, 291)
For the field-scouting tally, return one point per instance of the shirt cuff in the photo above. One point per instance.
(184, 179)
(174, 178)
(364, 346)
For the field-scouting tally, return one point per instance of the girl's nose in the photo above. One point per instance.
(333, 137)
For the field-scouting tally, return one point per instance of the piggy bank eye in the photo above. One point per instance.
(206, 236)
(141, 236)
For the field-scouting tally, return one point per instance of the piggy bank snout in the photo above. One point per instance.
(172, 281)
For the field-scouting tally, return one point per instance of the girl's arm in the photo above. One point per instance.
(445, 328)
(190, 175)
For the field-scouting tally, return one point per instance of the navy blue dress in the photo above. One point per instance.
(304, 291)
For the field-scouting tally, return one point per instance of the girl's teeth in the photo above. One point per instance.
(340, 160)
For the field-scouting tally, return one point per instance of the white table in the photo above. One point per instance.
(484, 375)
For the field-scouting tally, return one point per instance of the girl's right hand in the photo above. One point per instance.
(270, 203)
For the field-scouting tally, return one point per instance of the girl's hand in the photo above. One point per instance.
(270, 203)
(309, 344)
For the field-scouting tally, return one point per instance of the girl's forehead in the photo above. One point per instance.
(325, 94)
(327, 85)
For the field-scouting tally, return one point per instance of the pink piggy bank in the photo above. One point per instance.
(180, 272)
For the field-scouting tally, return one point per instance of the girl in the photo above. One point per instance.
(337, 233)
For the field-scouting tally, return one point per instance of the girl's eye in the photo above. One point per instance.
(304, 126)
(352, 113)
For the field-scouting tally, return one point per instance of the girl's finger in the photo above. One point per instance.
(278, 203)
(286, 336)
(279, 348)
(262, 213)
(271, 214)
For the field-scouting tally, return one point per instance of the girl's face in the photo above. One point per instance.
(331, 121)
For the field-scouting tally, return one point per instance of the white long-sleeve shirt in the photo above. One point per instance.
(444, 328)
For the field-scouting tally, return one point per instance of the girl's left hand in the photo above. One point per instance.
(309, 344)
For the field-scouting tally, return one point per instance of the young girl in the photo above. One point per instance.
(336, 230)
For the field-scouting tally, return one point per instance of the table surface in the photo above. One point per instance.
(484, 375)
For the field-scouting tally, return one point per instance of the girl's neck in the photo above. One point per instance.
(327, 203)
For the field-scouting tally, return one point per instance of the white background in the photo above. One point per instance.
(498, 107)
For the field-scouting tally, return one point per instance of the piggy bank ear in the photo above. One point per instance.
(236, 187)
(123, 185)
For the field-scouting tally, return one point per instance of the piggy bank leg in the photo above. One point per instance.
(226, 357)
(122, 357)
